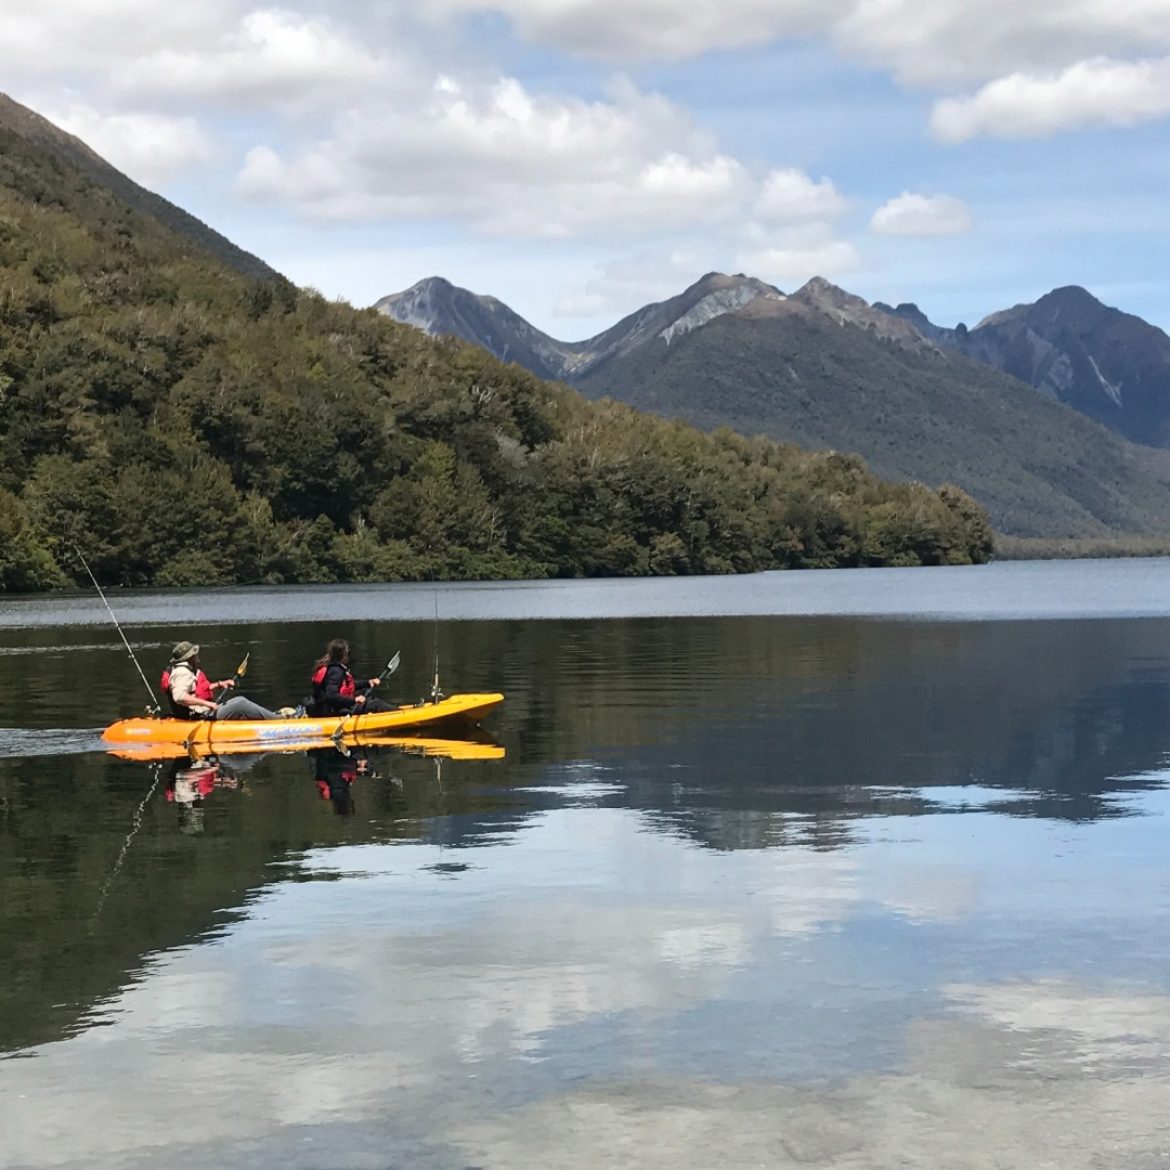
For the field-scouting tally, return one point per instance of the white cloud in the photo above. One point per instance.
(792, 254)
(72, 37)
(950, 42)
(793, 266)
(912, 214)
(516, 163)
(1091, 93)
(623, 30)
(270, 55)
(923, 41)
(790, 194)
(151, 148)
(1030, 57)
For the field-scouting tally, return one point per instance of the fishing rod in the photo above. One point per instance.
(436, 694)
(152, 707)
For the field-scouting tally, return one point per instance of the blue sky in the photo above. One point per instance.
(578, 158)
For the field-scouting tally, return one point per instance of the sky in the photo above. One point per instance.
(580, 158)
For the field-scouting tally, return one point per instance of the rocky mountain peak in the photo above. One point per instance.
(823, 293)
(1070, 304)
(845, 308)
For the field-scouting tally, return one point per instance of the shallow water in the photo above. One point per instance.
(748, 888)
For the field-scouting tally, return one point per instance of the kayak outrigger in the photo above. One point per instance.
(209, 734)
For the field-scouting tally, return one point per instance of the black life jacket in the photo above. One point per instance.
(347, 690)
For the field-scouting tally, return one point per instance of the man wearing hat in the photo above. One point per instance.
(192, 695)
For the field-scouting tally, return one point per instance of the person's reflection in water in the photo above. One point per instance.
(190, 783)
(335, 773)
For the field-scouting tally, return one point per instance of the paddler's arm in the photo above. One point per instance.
(197, 704)
(189, 699)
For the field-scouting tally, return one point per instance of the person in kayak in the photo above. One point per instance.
(192, 695)
(336, 691)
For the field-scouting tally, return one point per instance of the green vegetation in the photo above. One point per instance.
(1008, 548)
(186, 425)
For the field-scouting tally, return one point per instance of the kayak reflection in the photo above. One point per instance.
(476, 744)
(196, 774)
(335, 773)
(191, 782)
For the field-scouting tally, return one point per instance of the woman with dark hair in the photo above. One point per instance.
(336, 691)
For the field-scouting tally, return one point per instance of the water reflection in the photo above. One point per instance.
(191, 782)
(718, 863)
(600, 979)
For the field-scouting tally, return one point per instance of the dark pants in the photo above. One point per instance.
(374, 705)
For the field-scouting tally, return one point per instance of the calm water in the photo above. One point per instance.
(884, 885)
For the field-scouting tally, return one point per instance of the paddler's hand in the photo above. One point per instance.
(227, 683)
(375, 682)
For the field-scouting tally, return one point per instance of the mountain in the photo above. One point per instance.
(822, 368)
(185, 424)
(73, 154)
(438, 307)
(1107, 364)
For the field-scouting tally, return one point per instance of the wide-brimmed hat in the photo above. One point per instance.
(184, 651)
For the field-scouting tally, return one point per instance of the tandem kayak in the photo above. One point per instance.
(208, 735)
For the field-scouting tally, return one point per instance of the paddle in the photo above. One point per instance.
(241, 670)
(390, 668)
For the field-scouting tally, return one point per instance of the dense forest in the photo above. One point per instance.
(183, 423)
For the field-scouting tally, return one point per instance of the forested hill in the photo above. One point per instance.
(185, 425)
(73, 154)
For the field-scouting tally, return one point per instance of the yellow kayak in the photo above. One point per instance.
(209, 735)
(475, 746)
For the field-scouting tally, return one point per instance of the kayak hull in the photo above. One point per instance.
(210, 735)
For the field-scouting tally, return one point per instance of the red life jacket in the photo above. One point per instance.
(202, 685)
(348, 688)
(327, 790)
(202, 691)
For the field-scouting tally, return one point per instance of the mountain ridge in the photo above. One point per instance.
(437, 306)
(823, 368)
(1110, 365)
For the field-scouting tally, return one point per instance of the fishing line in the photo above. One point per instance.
(152, 706)
(135, 825)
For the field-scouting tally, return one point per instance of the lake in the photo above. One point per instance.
(848, 869)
